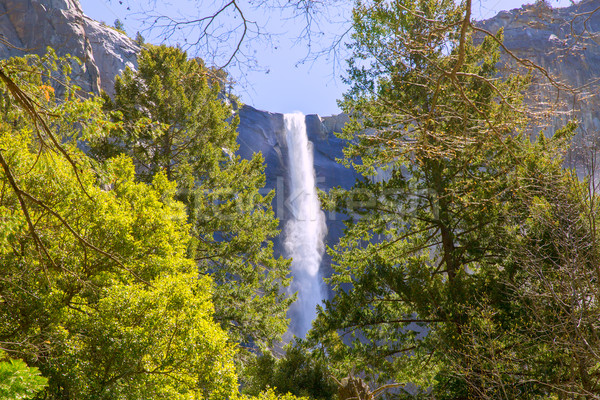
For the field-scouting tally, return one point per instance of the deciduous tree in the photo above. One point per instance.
(96, 287)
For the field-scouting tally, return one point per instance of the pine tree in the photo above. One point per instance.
(434, 135)
(171, 119)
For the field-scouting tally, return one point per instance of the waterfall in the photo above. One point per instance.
(305, 230)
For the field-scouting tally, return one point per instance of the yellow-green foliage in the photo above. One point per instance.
(17, 380)
(96, 287)
(270, 394)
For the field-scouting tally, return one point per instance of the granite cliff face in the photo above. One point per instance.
(566, 42)
(33, 25)
(562, 40)
(261, 131)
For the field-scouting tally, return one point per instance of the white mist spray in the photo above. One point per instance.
(306, 228)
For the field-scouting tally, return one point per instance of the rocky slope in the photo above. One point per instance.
(30, 26)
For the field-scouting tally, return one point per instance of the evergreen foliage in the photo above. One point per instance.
(120, 26)
(433, 277)
(297, 372)
(139, 39)
(169, 117)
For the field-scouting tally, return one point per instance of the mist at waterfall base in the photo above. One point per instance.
(306, 229)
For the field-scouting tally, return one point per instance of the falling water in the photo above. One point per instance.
(306, 229)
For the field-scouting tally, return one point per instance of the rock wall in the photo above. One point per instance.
(565, 42)
(562, 40)
(30, 26)
(261, 131)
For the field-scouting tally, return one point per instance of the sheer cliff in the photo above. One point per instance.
(566, 43)
(30, 26)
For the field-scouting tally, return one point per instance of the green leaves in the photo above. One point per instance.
(298, 372)
(420, 271)
(469, 263)
(18, 381)
(136, 324)
(168, 118)
(148, 338)
(96, 286)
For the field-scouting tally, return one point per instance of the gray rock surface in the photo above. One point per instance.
(566, 42)
(33, 25)
(261, 131)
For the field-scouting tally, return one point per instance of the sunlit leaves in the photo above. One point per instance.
(169, 118)
(96, 287)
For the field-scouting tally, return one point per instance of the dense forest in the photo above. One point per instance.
(136, 247)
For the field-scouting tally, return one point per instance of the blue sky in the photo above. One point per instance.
(279, 81)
